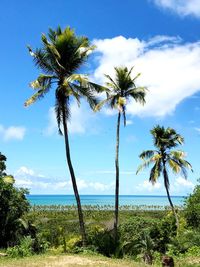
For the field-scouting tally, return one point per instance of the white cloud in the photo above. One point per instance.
(129, 122)
(12, 133)
(178, 186)
(82, 119)
(181, 182)
(23, 182)
(111, 172)
(146, 186)
(23, 171)
(197, 129)
(170, 70)
(181, 7)
(27, 178)
(93, 186)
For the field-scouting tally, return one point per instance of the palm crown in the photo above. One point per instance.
(120, 89)
(164, 141)
(60, 57)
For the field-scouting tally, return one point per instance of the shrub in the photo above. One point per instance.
(23, 249)
(192, 208)
(13, 205)
(193, 251)
(101, 240)
(73, 243)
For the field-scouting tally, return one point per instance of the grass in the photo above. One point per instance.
(66, 260)
(48, 260)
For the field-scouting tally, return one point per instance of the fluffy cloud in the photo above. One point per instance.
(27, 178)
(169, 69)
(80, 121)
(182, 7)
(12, 133)
(179, 186)
(197, 129)
(146, 186)
(180, 181)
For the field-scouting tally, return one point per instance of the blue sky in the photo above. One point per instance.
(159, 37)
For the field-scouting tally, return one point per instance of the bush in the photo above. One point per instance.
(185, 241)
(27, 247)
(192, 208)
(193, 251)
(23, 249)
(73, 243)
(101, 240)
(39, 245)
(13, 205)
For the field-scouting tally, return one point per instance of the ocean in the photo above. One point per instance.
(135, 200)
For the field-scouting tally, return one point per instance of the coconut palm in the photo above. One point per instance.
(60, 58)
(120, 90)
(165, 139)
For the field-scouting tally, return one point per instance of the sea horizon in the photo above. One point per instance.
(103, 200)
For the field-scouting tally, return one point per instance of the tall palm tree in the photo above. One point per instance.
(165, 139)
(60, 58)
(121, 89)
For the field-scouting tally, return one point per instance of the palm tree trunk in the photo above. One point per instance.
(117, 179)
(73, 179)
(165, 174)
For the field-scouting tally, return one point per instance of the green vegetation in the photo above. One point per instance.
(143, 235)
(129, 235)
(192, 208)
(13, 205)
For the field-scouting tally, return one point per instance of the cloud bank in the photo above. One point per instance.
(169, 68)
(38, 183)
(81, 121)
(181, 7)
(12, 133)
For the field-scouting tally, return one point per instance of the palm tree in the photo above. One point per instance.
(165, 139)
(60, 57)
(119, 91)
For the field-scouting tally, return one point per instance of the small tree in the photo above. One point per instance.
(192, 207)
(13, 205)
(164, 140)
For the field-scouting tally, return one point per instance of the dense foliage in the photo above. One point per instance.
(192, 208)
(13, 205)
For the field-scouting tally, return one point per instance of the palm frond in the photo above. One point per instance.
(174, 166)
(144, 165)
(115, 86)
(138, 94)
(62, 108)
(40, 94)
(86, 93)
(101, 104)
(155, 171)
(147, 154)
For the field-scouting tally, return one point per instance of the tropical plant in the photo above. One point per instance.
(13, 205)
(120, 90)
(2, 165)
(165, 139)
(192, 207)
(61, 56)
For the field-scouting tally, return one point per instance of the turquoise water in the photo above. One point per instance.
(104, 200)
